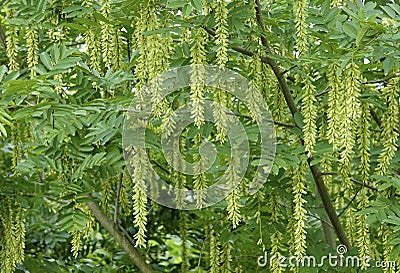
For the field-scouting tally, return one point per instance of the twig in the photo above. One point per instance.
(323, 92)
(288, 70)
(351, 201)
(3, 39)
(321, 219)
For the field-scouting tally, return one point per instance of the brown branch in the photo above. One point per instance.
(358, 182)
(108, 224)
(3, 39)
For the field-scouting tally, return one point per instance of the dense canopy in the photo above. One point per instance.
(73, 194)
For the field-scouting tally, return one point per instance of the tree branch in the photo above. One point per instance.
(108, 224)
(322, 190)
(3, 39)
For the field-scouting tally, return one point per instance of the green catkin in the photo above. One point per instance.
(207, 6)
(326, 163)
(349, 121)
(198, 54)
(364, 142)
(106, 191)
(9, 251)
(220, 116)
(276, 237)
(106, 34)
(351, 110)
(253, 104)
(139, 195)
(233, 198)
(214, 251)
(301, 8)
(93, 50)
(16, 142)
(276, 243)
(385, 231)
(184, 239)
(299, 212)
(88, 228)
(76, 243)
(58, 88)
(200, 182)
(363, 235)
(56, 32)
(155, 51)
(350, 117)
(221, 19)
(309, 111)
(226, 258)
(32, 47)
(117, 50)
(12, 44)
(220, 96)
(334, 108)
(19, 228)
(390, 125)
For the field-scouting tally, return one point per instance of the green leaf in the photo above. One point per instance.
(298, 119)
(360, 35)
(186, 10)
(350, 29)
(387, 65)
(176, 3)
(197, 5)
(45, 58)
(3, 70)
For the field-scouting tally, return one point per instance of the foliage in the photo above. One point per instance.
(328, 70)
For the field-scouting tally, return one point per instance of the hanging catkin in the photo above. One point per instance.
(221, 19)
(117, 50)
(198, 54)
(363, 236)
(139, 195)
(106, 34)
(299, 212)
(184, 238)
(200, 182)
(301, 25)
(9, 251)
(309, 111)
(19, 227)
(12, 44)
(390, 125)
(233, 198)
(32, 46)
(334, 108)
(214, 251)
(226, 258)
(93, 49)
(349, 115)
